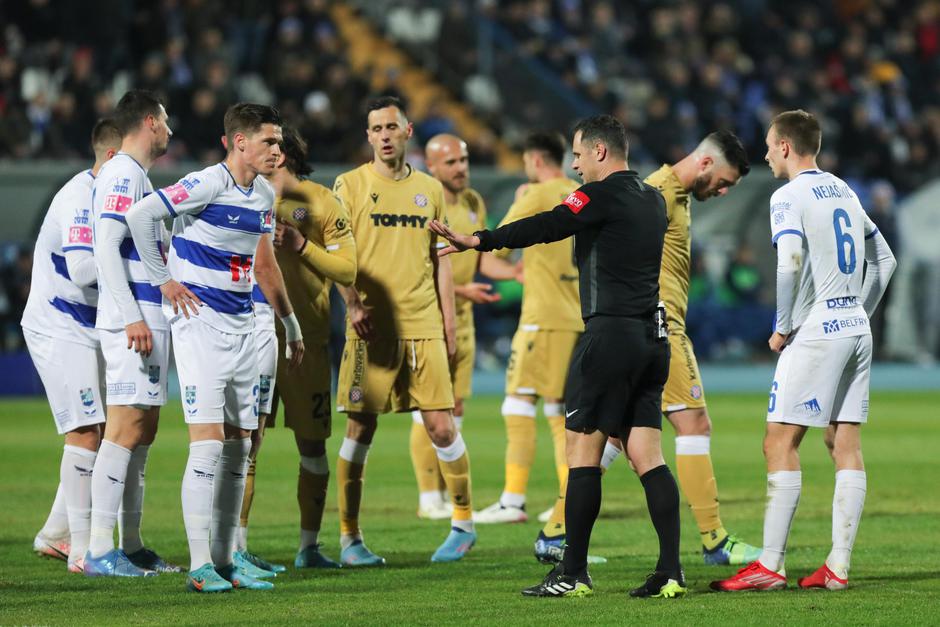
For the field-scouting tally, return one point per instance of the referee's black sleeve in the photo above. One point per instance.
(573, 215)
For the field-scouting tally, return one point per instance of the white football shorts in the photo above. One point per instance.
(73, 375)
(131, 378)
(266, 345)
(218, 374)
(822, 381)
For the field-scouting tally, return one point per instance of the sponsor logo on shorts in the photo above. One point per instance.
(299, 214)
(254, 403)
(153, 374)
(421, 200)
(122, 388)
(82, 471)
(696, 392)
(355, 394)
(843, 302)
(834, 326)
(812, 407)
(88, 401)
(189, 395)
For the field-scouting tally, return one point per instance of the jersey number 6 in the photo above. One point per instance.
(846, 257)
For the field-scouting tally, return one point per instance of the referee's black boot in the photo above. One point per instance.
(661, 586)
(558, 584)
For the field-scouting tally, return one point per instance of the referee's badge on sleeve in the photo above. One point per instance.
(576, 201)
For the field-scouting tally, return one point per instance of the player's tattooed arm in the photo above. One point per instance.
(271, 281)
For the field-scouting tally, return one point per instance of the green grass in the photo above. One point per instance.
(895, 577)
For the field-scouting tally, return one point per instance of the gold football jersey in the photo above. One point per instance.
(550, 294)
(394, 246)
(323, 220)
(677, 247)
(467, 215)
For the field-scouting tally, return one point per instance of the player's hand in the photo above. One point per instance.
(181, 297)
(520, 273)
(294, 353)
(778, 342)
(458, 242)
(288, 237)
(139, 338)
(478, 293)
(450, 339)
(361, 318)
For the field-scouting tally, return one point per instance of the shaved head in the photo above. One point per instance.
(448, 161)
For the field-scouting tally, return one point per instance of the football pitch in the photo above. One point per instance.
(895, 577)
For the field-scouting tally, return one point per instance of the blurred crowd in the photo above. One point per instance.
(64, 64)
(671, 70)
(676, 70)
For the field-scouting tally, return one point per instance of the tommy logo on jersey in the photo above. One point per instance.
(576, 201)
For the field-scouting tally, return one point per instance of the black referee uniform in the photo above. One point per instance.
(621, 362)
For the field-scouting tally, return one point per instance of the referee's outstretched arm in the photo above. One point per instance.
(563, 221)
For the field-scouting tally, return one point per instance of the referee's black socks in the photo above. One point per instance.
(582, 504)
(662, 499)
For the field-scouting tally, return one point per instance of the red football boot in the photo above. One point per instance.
(824, 578)
(752, 577)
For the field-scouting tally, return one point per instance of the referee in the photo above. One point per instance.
(621, 362)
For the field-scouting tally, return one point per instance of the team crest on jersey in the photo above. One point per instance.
(696, 392)
(267, 221)
(88, 401)
(355, 394)
(421, 200)
(153, 374)
(340, 224)
(299, 214)
(190, 394)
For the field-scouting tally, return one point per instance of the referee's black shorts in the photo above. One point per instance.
(616, 377)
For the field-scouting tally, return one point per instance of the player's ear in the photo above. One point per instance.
(705, 163)
(411, 129)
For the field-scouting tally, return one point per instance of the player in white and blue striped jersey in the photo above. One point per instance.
(59, 327)
(833, 267)
(223, 218)
(135, 343)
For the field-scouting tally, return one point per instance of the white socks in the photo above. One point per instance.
(227, 501)
(75, 475)
(847, 504)
(611, 453)
(133, 502)
(308, 537)
(57, 524)
(783, 495)
(241, 539)
(197, 494)
(107, 488)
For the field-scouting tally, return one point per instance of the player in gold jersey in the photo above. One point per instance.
(711, 170)
(314, 247)
(549, 326)
(400, 327)
(448, 161)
